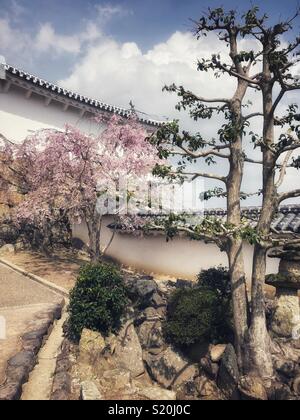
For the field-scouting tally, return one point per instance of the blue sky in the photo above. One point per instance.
(118, 51)
(146, 22)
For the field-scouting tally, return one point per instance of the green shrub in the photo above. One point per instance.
(202, 313)
(216, 279)
(97, 301)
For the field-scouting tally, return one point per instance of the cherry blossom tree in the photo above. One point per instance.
(74, 174)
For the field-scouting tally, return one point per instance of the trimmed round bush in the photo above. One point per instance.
(218, 280)
(97, 301)
(201, 314)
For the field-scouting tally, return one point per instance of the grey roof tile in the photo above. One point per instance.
(77, 97)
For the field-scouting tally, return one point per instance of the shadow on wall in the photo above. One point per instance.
(179, 258)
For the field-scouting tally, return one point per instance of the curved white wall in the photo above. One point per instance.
(179, 258)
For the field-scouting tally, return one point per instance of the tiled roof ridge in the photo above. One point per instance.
(76, 96)
(285, 209)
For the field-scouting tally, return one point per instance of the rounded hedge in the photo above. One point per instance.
(97, 301)
(202, 313)
(216, 279)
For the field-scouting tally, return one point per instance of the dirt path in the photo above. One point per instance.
(40, 381)
(61, 269)
(21, 302)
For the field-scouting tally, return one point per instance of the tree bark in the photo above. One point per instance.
(259, 356)
(259, 339)
(94, 231)
(235, 245)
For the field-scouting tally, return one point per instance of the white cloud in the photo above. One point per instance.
(47, 39)
(109, 11)
(119, 72)
(15, 42)
(12, 39)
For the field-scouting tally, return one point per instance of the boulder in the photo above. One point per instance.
(209, 368)
(208, 389)
(90, 392)
(151, 335)
(116, 379)
(128, 352)
(23, 359)
(169, 368)
(287, 368)
(10, 392)
(281, 392)
(7, 249)
(61, 387)
(216, 352)
(252, 389)
(296, 385)
(91, 346)
(228, 378)
(155, 393)
(187, 391)
(140, 289)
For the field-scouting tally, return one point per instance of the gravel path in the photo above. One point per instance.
(18, 290)
(21, 302)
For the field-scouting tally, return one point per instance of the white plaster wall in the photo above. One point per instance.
(20, 116)
(179, 258)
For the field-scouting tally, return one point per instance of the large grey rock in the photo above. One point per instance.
(216, 352)
(287, 368)
(208, 389)
(209, 368)
(228, 379)
(90, 392)
(145, 288)
(150, 334)
(10, 392)
(91, 346)
(24, 358)
(116, 379)
(140, 289)
(169, 368)
(252, 389)
(128, 353)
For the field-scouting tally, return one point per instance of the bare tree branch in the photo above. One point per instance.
(195, 175)
(253, 115)
(288, 195)
(213, 152)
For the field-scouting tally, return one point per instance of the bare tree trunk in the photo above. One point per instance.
(259, 358)
(239, 297)
(259, 339)
(235, 245)
(94, 231)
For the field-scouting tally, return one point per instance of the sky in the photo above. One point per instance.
(117, 51)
